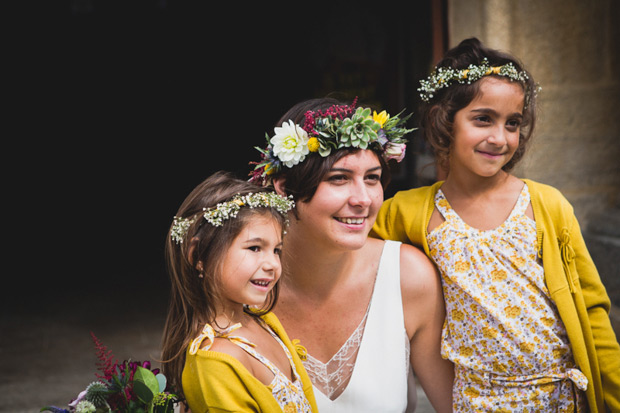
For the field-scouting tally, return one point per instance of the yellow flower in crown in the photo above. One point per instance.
(380, 118)
(269, 169)
(313, 144)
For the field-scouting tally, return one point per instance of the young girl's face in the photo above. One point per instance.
(345, 204)
(486, 132)
(251, 266)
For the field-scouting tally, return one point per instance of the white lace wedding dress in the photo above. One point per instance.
(371, 371)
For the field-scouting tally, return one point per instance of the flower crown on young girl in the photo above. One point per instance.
(229, 209)
(443, 77)
(339, 126)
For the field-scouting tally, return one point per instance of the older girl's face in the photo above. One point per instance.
(345, 204)
(486, 132)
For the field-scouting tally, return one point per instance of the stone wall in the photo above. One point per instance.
(572, 49)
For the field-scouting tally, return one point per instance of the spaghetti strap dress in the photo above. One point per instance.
(289, 394)
(371, 372)
(502, 329)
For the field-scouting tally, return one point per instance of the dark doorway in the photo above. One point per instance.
(130, 104)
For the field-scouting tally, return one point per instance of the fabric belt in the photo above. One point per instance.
(549, 376)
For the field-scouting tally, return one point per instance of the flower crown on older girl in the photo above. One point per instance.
(443, 77)
(339, 126)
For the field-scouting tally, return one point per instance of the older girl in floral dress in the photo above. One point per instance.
(527, 315)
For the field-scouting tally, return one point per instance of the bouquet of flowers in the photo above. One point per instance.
(127, 387)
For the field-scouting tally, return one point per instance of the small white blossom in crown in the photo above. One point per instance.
(443, 77)
(229, 209)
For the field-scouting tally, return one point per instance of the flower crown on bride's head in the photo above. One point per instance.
(339, 126)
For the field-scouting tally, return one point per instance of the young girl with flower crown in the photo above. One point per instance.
(223, 349)
(527, 322)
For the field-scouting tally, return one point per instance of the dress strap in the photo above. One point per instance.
(522, 203)
(444, 208)
(209, 332)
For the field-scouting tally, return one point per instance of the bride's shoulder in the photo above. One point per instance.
(418, 273)
(412, 256)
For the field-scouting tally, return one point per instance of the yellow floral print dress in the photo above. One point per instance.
(502, 330)
(289, 394)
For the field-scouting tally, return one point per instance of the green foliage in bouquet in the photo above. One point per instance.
(127, 387)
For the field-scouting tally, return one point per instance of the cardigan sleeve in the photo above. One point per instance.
(216, 386)
(405, 216)
(217, 382)
(384, 227)
(598, 304)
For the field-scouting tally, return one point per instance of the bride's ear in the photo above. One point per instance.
(279, 185)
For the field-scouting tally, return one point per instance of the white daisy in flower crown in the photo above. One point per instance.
(339, 126)
(290, 144)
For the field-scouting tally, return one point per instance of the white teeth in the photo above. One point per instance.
(351, 220)
(261, 283)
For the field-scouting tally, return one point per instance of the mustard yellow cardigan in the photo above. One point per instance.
(217, 382)
(570, 274)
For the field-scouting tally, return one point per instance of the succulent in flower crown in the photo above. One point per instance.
(324, 131)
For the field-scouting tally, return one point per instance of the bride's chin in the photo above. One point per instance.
(352, 242)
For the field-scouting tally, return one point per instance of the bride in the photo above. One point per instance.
(366, 313)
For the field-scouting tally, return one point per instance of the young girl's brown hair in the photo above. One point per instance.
(194, 267)
(437, 115)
